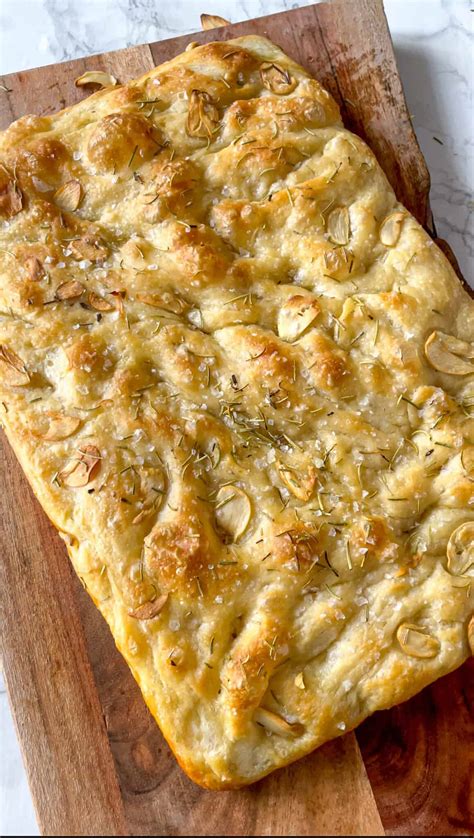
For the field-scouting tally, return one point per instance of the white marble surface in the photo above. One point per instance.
(434, 46)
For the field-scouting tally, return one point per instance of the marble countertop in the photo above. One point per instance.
(433, 42)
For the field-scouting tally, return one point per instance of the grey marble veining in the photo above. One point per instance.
(433, 41)
(434, 46)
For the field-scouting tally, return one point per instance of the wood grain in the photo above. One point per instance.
(421, 754)
(308, 798)
(46, 90)
(47, 671)
(414, 754)
(346, 46)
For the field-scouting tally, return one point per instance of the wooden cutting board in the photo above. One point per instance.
(96, 761)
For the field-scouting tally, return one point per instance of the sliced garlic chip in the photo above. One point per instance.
(96, 77)
(88, 247)
(163, 301)
(296, 315)
(213, 21)
(16, 199)
(276, 724)
(61, 426)
(448, 354)
(348, 309)
(467, 460)
(416, 642)
(299, 681)
(233, 511)
(68, 196)
(70, 290)
(99, 303)
(338, 225)
(149, 610)
(11, 196)
(338, 262)
(390, 228)
(81, 469)
(460, 549)
(276, 78)
(299, 481)
(470, 634)
(203, 115)
(12, 368)
(34, 268)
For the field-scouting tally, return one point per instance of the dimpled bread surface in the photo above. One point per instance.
(239, 378)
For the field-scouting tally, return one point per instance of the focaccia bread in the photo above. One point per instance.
(239, 377)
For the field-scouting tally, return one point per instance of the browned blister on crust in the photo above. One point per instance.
(239, 377)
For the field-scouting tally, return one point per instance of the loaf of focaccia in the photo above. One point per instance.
(239, 377)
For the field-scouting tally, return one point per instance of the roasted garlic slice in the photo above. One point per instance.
(276, 78)
(296, 315)
(460, 549)
(299, 480)
(12, 368)
(276, 724)
(449, 354)
(213, 21)
(99, 303)
(68, 196)
(88, 247)
(233, 511)
(338, 262)
(81, 468)
(61, 427)
(34, 269)
(149, 610)
(203, 115)
(70, 290)
(11, 199)
(167, 302)
(96, 77)
(338, 225)
(467, 460)
(417, 642)
(391, 228)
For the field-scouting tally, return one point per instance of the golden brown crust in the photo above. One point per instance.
(239, 378)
